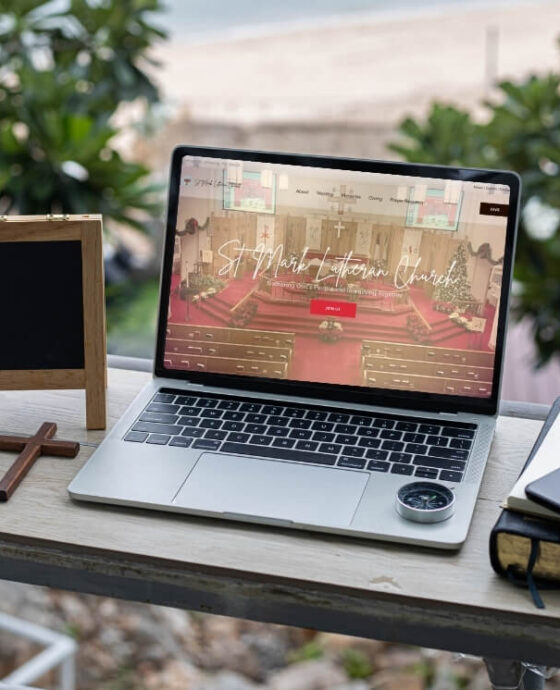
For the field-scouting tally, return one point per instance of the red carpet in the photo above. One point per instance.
(313, 359)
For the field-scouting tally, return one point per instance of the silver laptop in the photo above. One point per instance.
(329, 347)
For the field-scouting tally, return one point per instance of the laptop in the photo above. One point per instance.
(329, 347)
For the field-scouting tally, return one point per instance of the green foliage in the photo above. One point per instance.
(66, 68)
(310, 650)
(356, 663)
(521, 133)
(132, 317)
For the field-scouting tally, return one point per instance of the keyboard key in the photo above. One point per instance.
(369, 432)
(163, 407)
(215, 434)
(279, 453)
(401, 469)
(154, 428)
(255, 428)
(346, 439)
(322, 426)
(261, 440)
(369, 442)
(251, 407)
(324, 436)
(255, 418)
(383, 423)
(164, 397)
(272, 409)
(190, 411)
(299, 424)
(278, 421)
(378, 466)
(300, 433)
(392, 445)
(460, 443)
(391, 434)
(338, 418)
(306, 445)
(293, 412)
(211, 423)
(317, 415)
(377, 454)
(233, 416)
(203, 444)
(158, 439)
(406, 426)
(211, 414)
(429, 428)
(345, 429)
(400, 457)
(447, 476)
(228, 405)
(334, 448)
(207, 402)
(238, 438)
(440, 463)
(193, 432)
(414, 438)
(284, 442)
(361, 421)
(451, 453)
(352, 463)
(440, 441)
(187, 400)
(159, 417)
(354, 451)
(277, 431)
(136, 436)
(180, 441)
(232, 426)
(188, 421)
(416, 448)
(426, 473)
(457, 432)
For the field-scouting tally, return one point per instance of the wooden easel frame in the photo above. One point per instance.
(88, 230)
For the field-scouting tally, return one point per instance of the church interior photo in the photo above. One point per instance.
(299, 274)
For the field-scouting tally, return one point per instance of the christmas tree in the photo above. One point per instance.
(457, 290)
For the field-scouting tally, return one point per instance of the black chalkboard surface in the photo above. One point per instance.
(41, 305)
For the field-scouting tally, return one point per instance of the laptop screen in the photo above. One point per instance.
(346, 277)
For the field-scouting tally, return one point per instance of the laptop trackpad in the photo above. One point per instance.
(268, 488)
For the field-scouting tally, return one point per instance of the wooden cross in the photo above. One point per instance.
(31, 448)
(343, 200)
(338, 227)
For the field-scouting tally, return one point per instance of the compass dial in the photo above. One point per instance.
(425, 502)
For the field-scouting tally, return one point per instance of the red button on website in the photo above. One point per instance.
(326, 307)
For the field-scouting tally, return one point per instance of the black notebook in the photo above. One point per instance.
(524, 548)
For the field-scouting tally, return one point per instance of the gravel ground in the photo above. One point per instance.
(130, 646)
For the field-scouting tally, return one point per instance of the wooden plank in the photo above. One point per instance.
(400, 592)
(95, 357)
(25, 379)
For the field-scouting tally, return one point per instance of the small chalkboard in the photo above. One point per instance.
(52, 307)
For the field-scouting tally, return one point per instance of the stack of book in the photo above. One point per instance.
(525, 541)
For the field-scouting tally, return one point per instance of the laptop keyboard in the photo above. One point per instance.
(394, 444)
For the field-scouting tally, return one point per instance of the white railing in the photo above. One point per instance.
(60, 651)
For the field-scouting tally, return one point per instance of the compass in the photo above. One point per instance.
(425, 502)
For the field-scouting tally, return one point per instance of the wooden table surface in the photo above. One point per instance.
(446, 600)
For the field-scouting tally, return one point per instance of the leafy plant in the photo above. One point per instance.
(521, 133)
(66, 69)
(310, 650)
(356, 663)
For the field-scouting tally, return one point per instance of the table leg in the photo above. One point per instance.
(511, 675)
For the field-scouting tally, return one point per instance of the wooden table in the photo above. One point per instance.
(438, 599)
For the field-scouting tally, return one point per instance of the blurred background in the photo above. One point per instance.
(94, 94)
